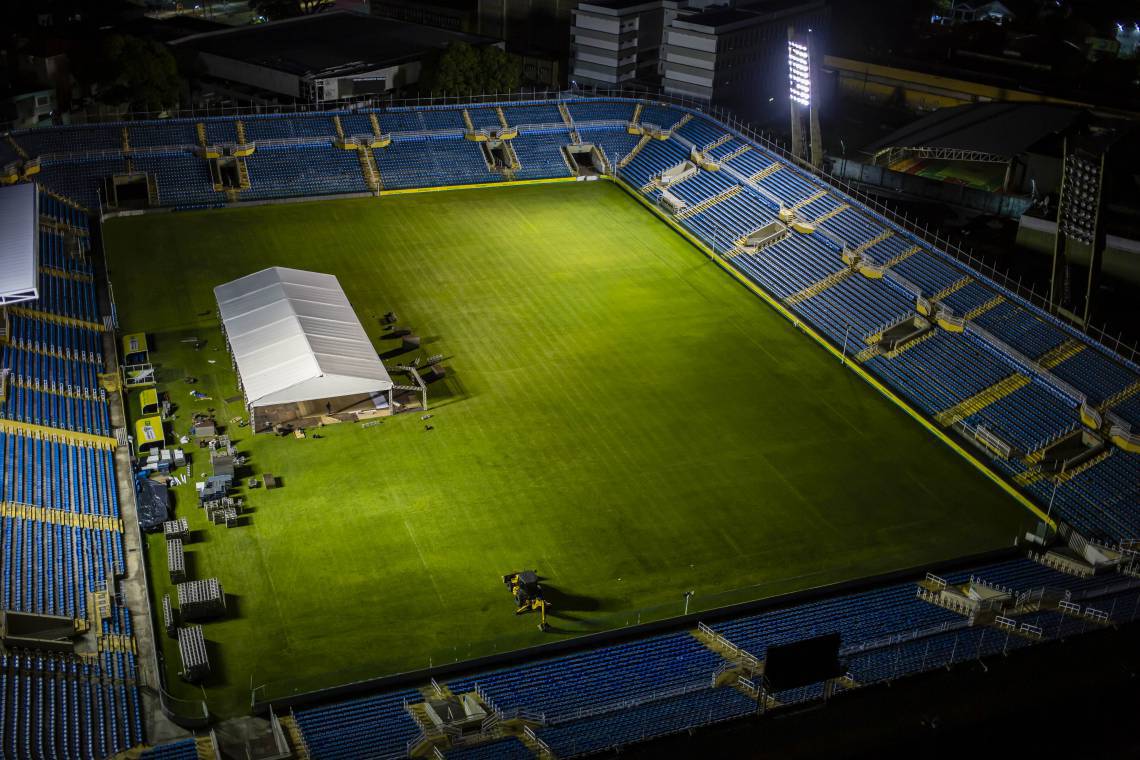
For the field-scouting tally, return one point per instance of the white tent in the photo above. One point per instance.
(19, 244)
(296, 338)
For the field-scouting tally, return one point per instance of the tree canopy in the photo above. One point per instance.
(462, 69)
(141, 73)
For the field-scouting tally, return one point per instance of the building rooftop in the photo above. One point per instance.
(457, 5)
(721, 17)
(327, 42)
(171, 27)
(1003, 129)
(625, 5)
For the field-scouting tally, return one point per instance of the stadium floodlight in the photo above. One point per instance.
(799, 73)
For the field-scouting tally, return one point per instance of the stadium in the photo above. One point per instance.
(514, 428)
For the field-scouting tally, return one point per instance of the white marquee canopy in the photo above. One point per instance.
(19, 244)
(296, 338)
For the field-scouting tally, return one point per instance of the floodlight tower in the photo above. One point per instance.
(1080, 226)
(804, 116)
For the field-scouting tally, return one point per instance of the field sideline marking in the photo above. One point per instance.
(806, 328)
(477, 185)
(427, 569)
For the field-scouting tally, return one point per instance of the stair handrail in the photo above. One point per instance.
(543, 746)
(904, 636)
(1011, 353)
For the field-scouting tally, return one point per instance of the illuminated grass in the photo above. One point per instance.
(620, 415)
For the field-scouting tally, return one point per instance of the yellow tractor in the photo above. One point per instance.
(527, 591)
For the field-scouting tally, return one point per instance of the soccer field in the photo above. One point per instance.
(619, 414)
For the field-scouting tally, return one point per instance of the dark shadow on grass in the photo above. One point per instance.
(564, 631)
(164, 374)
(436, 380)
(400, 351)
(446, 390)
(217, 677)
(233, 606)
(571, 624)
(562, 602)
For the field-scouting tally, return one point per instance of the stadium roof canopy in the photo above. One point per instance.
(999, 129)
(296, 338)
(19, 243)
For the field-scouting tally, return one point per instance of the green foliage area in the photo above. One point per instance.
(463, 69)
(141, 73)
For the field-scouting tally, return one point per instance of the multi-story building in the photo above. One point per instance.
(529, 27)
(734, 56)
(618, 42)
(738, 57)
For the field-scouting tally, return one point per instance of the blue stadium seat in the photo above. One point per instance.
(373, 727)
(171, 133)
(647, 721)
(540, 154)
(182, 178)
(595, 678)
(423, 162)
(282, 171)
(601, 111)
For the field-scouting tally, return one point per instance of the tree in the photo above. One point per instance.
(141, 73)
(465, 70)
(456, 70)
(279, 9)
(502, 71)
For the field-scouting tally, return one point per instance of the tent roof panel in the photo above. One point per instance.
(295, 337)
(328, 386)
(19, 243)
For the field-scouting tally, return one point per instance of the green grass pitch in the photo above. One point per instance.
(620, 415)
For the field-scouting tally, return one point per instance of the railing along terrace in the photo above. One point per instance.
(1070, 393)
(626, 704)
(934, 242)
(894, 639)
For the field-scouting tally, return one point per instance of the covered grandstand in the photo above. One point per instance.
(1009, 148)
(1049, 413)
